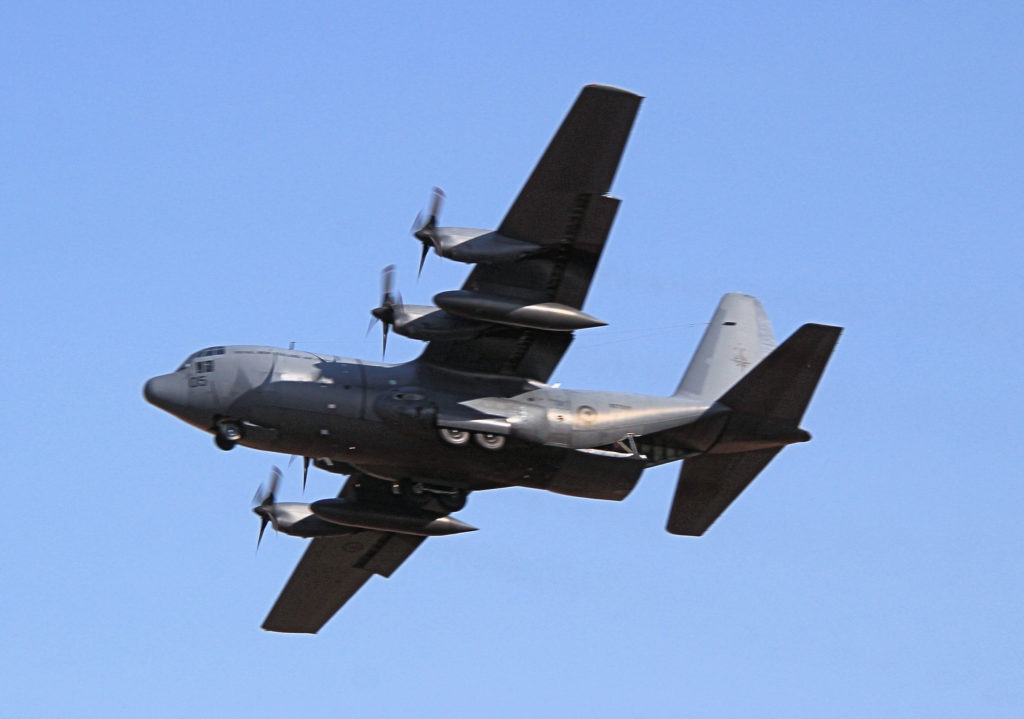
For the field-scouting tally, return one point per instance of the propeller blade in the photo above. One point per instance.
(423, 258)
(387, 286)
(305, 469)
(423, 226)
(263, 525)
(437, 197)
(423, 229)
(390, 301)
(418, 223)
(265, 494)
(275, 479)
(263, 498)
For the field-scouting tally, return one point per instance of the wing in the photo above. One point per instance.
(330, 572)
(564, 208)
(334, 568)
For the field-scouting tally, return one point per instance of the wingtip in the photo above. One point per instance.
(612, 88)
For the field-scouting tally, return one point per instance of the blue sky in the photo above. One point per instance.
(176, 175)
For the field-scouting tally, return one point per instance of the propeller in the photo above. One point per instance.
(388, 303)
(305, 470)
(423, 229)
(262, 500)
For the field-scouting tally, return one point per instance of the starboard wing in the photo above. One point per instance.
(334, 568)
(330, 572)
(564, 208)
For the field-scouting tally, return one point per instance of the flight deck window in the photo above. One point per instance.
(205, 366)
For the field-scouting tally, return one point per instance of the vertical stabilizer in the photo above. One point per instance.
(738, 337)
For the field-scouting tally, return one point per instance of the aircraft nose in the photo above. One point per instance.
(166, 392)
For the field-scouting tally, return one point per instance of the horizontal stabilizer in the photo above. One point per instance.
(781, 386)
(707, 486)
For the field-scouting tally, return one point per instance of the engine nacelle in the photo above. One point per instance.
(550, 316)
(353, 514)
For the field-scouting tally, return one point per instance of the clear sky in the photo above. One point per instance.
(177, 175)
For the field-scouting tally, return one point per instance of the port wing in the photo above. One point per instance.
(564, 208)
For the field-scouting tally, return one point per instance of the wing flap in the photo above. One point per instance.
(389, 553)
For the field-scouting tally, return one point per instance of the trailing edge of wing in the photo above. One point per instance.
(330, 572)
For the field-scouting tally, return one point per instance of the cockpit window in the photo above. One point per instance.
(208, 352)
(205, 366)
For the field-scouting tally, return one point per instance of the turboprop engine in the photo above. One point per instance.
(329, 517)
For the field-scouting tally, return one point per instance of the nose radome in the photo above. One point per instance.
(166, 392)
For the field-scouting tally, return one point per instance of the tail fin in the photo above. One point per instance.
(766, 406)
(739, 336)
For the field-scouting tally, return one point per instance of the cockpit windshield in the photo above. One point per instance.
(208, 352)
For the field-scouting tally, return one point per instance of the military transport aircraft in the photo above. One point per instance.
(474, 410)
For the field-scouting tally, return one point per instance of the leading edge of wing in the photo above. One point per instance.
(330, 572)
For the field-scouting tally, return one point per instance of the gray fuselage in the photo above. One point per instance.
(384, 420)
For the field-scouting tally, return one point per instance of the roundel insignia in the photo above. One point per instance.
(586, 414)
